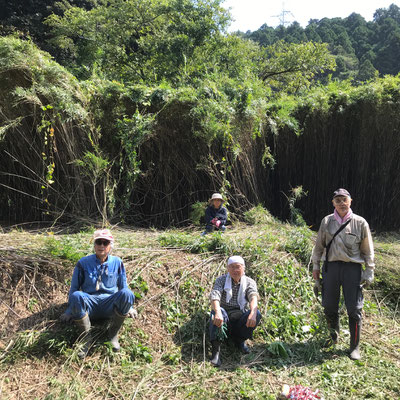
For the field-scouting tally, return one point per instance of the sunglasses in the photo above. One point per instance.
(339, 201)
(100, 242)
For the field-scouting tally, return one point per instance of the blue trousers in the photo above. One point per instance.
(237, 328)
(100, 306)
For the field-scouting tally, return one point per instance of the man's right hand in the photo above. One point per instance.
(317, 285)
(218, 319)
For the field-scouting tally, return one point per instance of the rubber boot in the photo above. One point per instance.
(333, 326)
(85, 336)
(355, 330)
(215, 355)
(243, 347)
(116, 323)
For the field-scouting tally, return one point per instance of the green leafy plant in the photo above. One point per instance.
(65, 248)
(139, 286)
(197, 213)
(258, 215)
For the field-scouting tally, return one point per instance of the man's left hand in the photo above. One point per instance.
(251, 320)
(367, 277)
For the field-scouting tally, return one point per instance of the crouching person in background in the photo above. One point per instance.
(216, 214)
(234, 304)
(99, 291)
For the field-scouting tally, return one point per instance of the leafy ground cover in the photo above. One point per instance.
(165, 349)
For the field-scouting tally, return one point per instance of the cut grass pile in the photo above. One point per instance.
(165, 349)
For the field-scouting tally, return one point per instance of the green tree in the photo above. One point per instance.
(295, 33)
(137, 40)
(292, 67)
(265, 36)
(367, 71)
(27, 17)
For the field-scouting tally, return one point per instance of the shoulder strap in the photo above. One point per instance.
(336, 233)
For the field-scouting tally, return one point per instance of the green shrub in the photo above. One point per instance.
(258, 215)
(197, 213)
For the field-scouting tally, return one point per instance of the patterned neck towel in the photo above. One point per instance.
(242, 290)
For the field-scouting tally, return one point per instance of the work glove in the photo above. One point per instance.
(214, 220)
(367, 277)
(217, 223)
(317, 287)
(132, 313)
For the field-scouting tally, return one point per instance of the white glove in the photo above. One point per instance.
(367, 277)
(317, 287)
(132, 313)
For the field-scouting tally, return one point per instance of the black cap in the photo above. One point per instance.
(341, 192)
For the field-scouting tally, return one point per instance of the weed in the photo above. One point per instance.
(139, 286)
(39, 343)
(66, 248)
(197, 213)
(258, 215)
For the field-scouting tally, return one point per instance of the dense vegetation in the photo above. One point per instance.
(134, 112)
(362, 49)
(149, 106)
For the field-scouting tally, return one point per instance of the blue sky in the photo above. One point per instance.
(251, 14)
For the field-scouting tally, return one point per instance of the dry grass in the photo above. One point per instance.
(171, 327)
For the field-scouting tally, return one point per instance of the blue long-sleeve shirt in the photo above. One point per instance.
(221, 214)
(88, 269)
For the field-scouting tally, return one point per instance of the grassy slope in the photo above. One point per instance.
(165, 349)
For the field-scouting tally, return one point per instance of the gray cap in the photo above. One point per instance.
(341, 192)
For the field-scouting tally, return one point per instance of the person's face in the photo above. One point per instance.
(102, 247)
(342, 205)
(217, 203)
(236, 271)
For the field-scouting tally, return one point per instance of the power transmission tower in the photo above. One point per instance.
(282, 15)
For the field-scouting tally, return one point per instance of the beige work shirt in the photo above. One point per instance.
(352, 244)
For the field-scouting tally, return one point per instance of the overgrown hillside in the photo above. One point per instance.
(165, 349)
(144, 154)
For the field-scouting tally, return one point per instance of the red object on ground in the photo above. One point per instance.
(299, 392)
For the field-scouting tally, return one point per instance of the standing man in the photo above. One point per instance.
(234, 302)
(99, 291)
(344, 243)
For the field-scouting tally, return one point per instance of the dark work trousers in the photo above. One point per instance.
(348, 276)
(237, 328)
(211, 227)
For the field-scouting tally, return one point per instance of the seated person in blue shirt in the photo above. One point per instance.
(98, 291)
(234, 302)
(216, 214)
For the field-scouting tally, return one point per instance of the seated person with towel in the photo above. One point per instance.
(234, 300)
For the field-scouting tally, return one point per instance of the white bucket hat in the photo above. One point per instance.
(216, 196)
